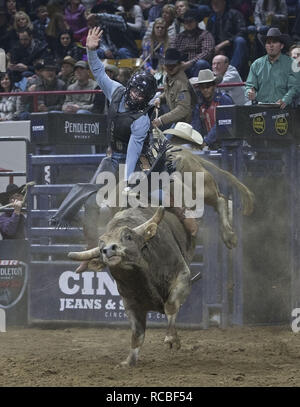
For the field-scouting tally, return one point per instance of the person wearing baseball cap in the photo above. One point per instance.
(271, 78)
(67, 70)
(83, 102)
(204, 113)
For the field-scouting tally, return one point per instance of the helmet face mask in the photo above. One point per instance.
(140, 89)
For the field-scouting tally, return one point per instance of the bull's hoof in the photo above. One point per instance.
(172, 342)
(127, 363)
(230, 240)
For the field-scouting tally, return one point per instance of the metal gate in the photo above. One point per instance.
(59, 294)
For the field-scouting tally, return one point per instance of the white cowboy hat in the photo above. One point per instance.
(185, 131)
(204, 76)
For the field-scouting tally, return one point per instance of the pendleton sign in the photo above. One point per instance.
(13, 281)
(65, 129)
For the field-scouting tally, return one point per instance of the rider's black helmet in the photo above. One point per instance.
(146, 84)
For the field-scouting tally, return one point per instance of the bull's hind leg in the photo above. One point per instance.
(228, 235)
(220, 203)
(137, 320)
(179, 292)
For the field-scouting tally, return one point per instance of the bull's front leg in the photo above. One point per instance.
(180, 290)
(137, 320)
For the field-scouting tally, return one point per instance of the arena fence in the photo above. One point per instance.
(59, 294)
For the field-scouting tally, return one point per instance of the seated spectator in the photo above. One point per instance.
(124, 75)
(30, 6)
(154, 49)
(270, 14)
(156, 10)
(67, 47)
(57, 24)
(4, 34)
(101, 103)
(83, 102)
(66, 73)
(8, 104)
(26, 52)
(196, 43)
(245, 7)
(75, 17)
(204, 113)
(10, 7)
(181, 6)
(116, 46)
(12, 224)
(227, 73)
(25, 105)
(41, 22)
(227, 26)
(145, 6)
(168, 14)
(294, 51)
(133, 15)
(50, 102)
(271, 78)
(20, 23)
(177, 94)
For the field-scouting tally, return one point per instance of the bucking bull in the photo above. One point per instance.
(148, 253)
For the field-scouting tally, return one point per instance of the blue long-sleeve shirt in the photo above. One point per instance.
(140, 126)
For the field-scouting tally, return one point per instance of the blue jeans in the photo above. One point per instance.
(196, 67)
(239, 57)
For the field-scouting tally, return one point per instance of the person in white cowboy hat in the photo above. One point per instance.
(204, 113)
(271, 78)
(185, 131)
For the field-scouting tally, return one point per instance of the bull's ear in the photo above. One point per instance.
(96, 265)
(149, 231)
(149, 228)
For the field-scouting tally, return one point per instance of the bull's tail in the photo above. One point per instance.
(246, 195)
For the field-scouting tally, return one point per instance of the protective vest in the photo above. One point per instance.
(119, 124)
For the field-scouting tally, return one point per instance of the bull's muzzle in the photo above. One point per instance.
(110, 250)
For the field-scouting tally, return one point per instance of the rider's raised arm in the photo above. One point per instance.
(107, 85)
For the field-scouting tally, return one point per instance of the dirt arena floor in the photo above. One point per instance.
(248, 356)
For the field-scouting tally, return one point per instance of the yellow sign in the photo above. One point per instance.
(259, 124)
(281, 126)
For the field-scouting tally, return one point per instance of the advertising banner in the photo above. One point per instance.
(57, 293)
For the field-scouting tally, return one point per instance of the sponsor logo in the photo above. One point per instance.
(13, 281)
(281, 126)
(81, 128)
(225, 122)
(259, 124)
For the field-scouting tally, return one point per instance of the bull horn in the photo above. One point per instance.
(156, 218)
(85, 255)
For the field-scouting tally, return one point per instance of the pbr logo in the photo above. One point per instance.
(13, 281)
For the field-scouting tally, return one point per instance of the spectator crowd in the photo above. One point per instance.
(190, 47)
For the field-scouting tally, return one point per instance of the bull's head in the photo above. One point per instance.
(122, 245)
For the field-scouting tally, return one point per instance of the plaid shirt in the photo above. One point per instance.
(198, 44)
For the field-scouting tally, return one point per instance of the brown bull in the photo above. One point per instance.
(148, 254)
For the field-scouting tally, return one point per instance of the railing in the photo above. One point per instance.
(36, 94)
